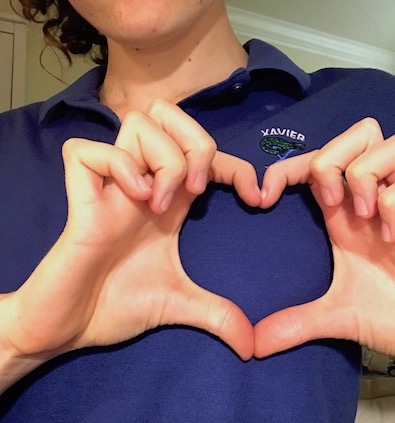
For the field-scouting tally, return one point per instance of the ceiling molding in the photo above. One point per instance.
(286, 34)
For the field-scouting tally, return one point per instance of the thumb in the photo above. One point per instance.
(205, 310)
(296, 325)
(279, 175)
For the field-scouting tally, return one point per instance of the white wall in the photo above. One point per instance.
(39, 83)
(308, 61)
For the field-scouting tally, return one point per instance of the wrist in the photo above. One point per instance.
(14, 363)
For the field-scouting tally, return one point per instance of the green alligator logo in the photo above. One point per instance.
(279, 147)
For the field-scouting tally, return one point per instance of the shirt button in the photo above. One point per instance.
(237, 88)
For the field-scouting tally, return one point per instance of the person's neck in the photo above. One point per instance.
(207, 54)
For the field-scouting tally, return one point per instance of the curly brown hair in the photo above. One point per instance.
(65, 29)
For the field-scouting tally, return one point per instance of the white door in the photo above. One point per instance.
(12, 61)
(6, 65)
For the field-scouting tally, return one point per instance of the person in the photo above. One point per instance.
(138, 240)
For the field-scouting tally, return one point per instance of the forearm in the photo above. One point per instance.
(36, 319)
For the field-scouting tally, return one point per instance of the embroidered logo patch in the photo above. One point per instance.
(275, 142)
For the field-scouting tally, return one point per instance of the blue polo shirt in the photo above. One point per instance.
(263, 260)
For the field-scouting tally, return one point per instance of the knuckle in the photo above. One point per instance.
(177, 171)
(386, 201)
(221, 318)
(296, 329)
(318, 165)
(135, 116)
(355, 173)
(69, 147)
(207, 147)
(370, 126)
(158, 106)
(180, 169)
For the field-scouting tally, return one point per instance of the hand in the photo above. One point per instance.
(359, 216)
(115, 272)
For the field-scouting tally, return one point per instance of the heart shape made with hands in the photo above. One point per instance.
(105, 305)
(127, 203)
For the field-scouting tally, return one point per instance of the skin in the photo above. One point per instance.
(99, 283)
(360, 221)
(161, 50)
(139, 191)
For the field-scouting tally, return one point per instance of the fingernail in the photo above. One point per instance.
(200, 182)
(386, 232)
(327, 196)
(360, 206)
(263, 194)
(166, 200)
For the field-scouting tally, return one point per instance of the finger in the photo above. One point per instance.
(154, 151)
(231, 170)
(289, 172)
(87, 163)
(365, 174)
(196, 144)
(202, 309)
(330, 163)
(386, 207)
(294, 326)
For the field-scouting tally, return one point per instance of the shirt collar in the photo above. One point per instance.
(263, 56)
(83, 93)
